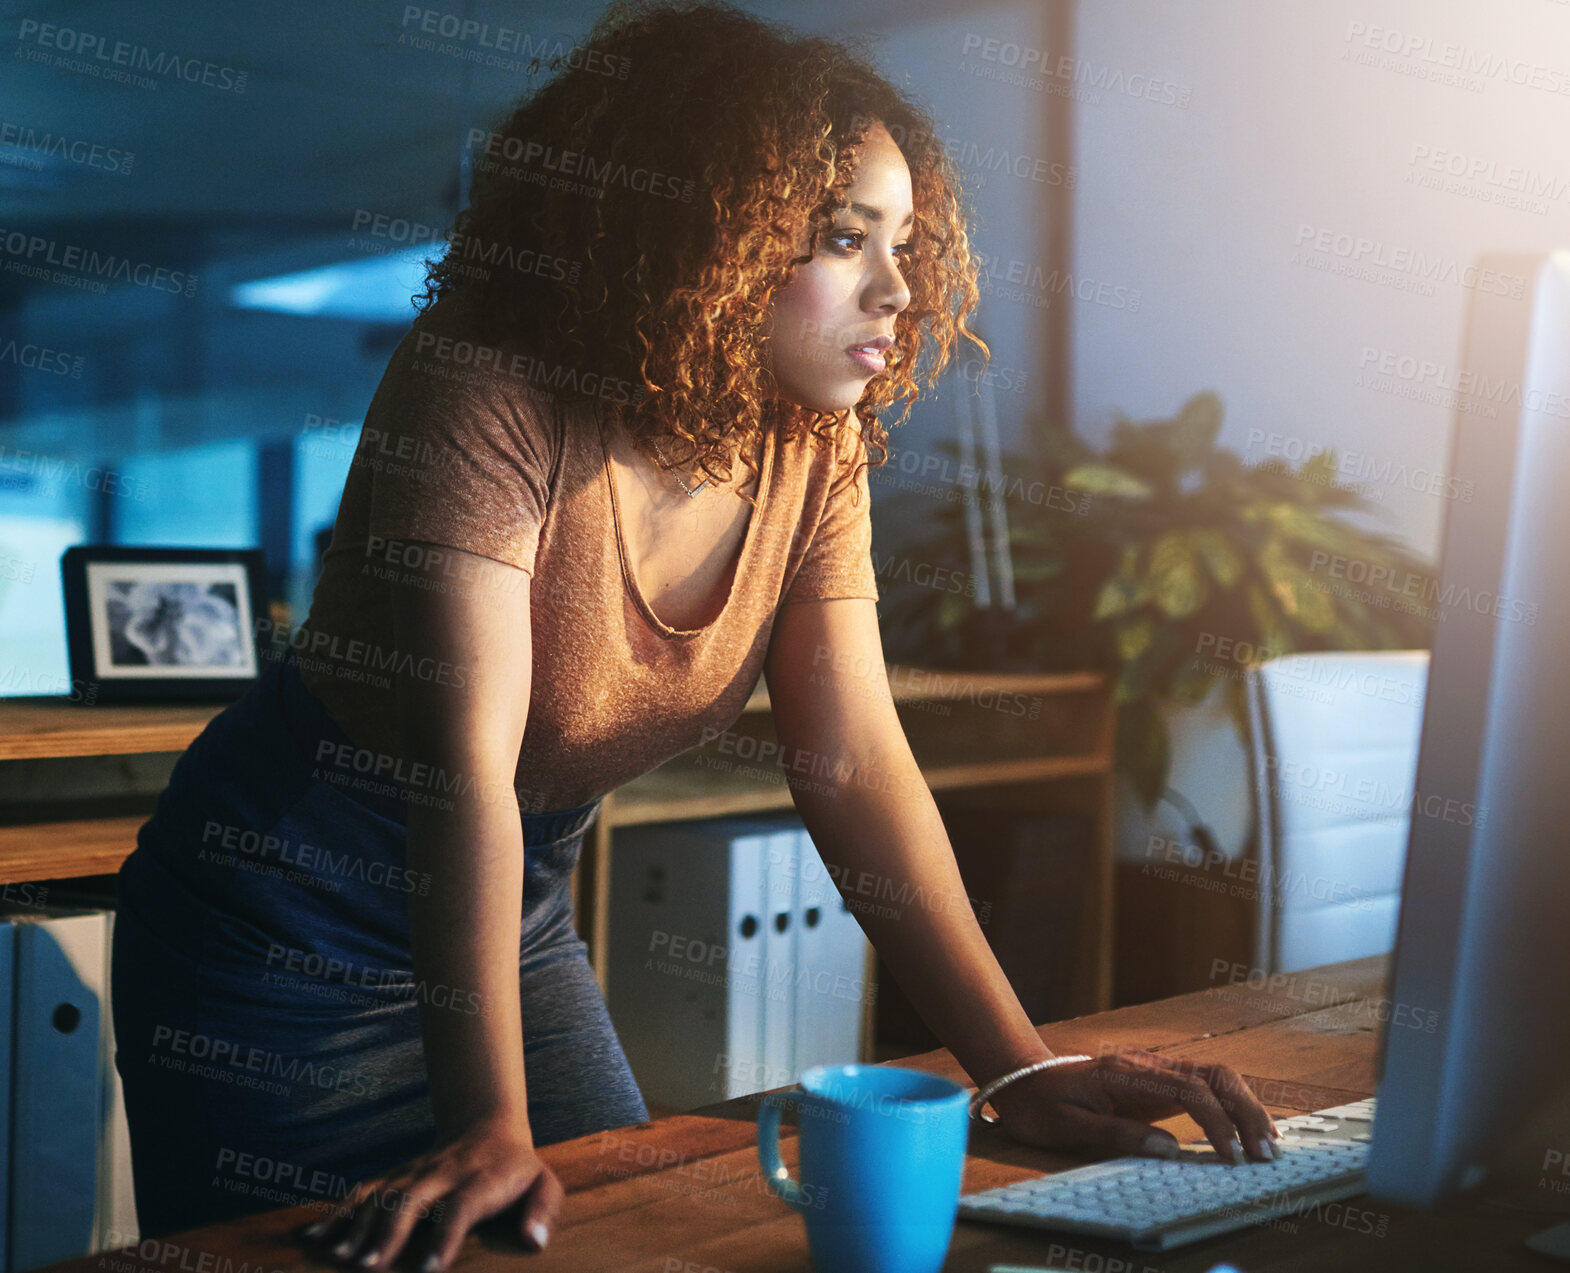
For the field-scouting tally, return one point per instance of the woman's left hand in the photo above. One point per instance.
(1102, 1108)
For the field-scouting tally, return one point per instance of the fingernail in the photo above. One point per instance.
(430, 1263)
(1267, 1149)
(316, 1230)
(538, 1232)
(1158, 1145)
(1235, 1150)
(369, 1258)
(343, 1248)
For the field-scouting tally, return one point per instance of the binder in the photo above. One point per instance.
(727, 942)
(60, 962)
(7, 1021)
(684, 983)
(831, 973)
(116, 1221)
(781, 958)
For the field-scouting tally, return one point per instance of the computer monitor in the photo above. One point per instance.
(1476, 1067)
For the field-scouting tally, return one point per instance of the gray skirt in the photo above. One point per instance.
(266, 1014)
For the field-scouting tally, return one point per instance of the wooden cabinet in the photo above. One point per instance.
(985, 742)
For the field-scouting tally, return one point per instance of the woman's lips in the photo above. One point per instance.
(871, 359)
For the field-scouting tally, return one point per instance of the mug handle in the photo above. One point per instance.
(775, 1174)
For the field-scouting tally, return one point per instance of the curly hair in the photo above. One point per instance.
(657, 187)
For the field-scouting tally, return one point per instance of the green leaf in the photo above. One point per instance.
(1174, 577)
(952, 609)
(1106, 479)
(1220, 558)
(1300, 596)
(1320, 470)
(1197, 426)
(1134, 638)
(1269, 630)
(1144, 749)
(1118, 595)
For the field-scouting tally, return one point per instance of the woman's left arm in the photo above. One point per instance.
(872, 817)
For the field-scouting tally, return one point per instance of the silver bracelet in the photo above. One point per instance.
(985, 1093)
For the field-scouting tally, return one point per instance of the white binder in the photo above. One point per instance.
(831, 968)
(718, 985)
(57, 1085)
(685, 968)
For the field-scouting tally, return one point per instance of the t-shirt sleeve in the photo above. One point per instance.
(459, 458)
(838, 560)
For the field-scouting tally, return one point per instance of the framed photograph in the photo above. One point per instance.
(163, 624)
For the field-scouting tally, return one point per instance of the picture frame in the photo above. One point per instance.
(155, 624)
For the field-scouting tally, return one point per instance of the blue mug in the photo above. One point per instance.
(882, 1151)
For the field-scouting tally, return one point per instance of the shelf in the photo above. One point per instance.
(912, 684)
(681, 789)
(60, 850)
(46, 729)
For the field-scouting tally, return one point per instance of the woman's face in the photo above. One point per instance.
(828, 327)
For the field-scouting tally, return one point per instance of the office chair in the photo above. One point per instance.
(1334, 759)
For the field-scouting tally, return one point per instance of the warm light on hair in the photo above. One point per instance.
(715, 142)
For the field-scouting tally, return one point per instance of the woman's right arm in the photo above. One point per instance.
(463, 700)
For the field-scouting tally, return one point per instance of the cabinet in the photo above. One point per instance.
(985, 742)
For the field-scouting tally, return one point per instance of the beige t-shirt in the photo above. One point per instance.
(461, 447)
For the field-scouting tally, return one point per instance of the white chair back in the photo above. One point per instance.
(1334, 754)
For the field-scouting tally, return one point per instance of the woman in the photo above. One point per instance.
(615, 471)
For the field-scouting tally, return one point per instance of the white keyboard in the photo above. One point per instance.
(1158, 1203)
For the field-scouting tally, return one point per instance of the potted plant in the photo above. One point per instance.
(1140, 558)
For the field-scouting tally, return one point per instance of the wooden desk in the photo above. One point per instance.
(684, 1195)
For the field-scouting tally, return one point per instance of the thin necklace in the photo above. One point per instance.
(692, 491)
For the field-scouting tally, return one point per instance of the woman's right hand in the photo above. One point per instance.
(486, 1169)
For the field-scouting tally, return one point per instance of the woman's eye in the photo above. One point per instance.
(855, 240)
